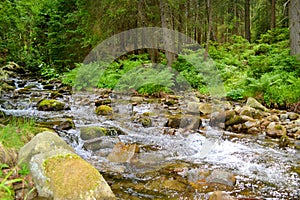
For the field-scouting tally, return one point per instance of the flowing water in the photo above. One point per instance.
(187, 164)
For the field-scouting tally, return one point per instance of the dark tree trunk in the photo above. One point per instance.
(166, 23)
(209, 23)
(294, 16)
(247, 20)
(273, 16)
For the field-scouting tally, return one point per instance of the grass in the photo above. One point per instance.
(15, 134)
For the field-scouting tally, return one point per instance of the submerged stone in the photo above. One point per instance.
(122, 152)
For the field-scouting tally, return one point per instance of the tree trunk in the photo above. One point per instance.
(273, 16)
(166, 23)
(294, 16)
(247, 20)
(209, 22)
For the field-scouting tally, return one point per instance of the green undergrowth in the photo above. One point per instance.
(263, 69)
(13, 135)
(17, 132)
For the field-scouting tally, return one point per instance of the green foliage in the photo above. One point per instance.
(17, 132)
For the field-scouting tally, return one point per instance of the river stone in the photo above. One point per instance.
(275, 130)
(51, 105)
(273, 118)
(292, 115)
(255, 104)
(222, 177)
(122, 152)
(91, 132)
(236, 119)
(62, 175)
(219, 195)
(137, 99)
(186, 122)
(283, 117)
(195, 107)
(58, 123)
(100, 143)
(104, 110)
(41, 143)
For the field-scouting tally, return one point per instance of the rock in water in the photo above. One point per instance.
(51, 105)
(122, 152)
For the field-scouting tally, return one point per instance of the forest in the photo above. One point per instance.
(254, 43)
(57, 100)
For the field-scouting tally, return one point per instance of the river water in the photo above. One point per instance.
(187, 164)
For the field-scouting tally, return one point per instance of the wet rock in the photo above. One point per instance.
(62, 175)
(255, 104)
(222, 177)
(186, 122)
(283, 117)
(42, 142)
(91, 132)
(51, 105)
(219, 195)
(275, 130)
(236, 119)
(284, 141)
(137, 99)
(196, 108)
(100, 102)
(7, 87)
(48, 87)
(58, 123)
(273, 118)
(104, 110)
(217, 118)
(122, 152)
(292, 115)
(99, 143)
(253, 130)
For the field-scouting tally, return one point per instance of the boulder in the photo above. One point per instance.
(51, 105)
(236, 119)
(196, 108)
(41, 143)
(99, 143)
(293, 116)
(91, 132)
(253, 103)
(275, 130)
(137, 99)
(58, 123)
(63, 175)
(104, 110)
(186, 122)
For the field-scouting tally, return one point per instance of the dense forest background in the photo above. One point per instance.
(254, 43)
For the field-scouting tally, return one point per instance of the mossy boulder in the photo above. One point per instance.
(275, 130)
(41, 143)
(91, 132)
(63, 175)
(145, 121)
(104, 110)
(51, 105)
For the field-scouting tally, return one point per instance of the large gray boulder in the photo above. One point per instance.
(255, 104)
(41, 143)
(63, 175)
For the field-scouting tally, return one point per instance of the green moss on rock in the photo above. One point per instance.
(51, 105)
(91, 132)
(104, 110)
